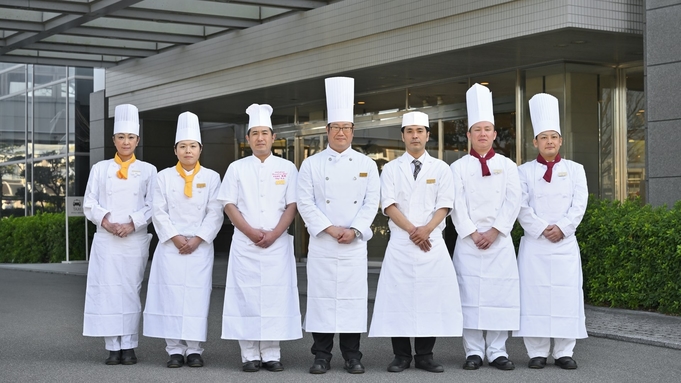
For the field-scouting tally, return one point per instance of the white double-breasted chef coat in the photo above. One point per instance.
(418, 293)
(178, 294)
(261, 293)
(116, 267)
(551, 296)
(488, 279)
(340, 189)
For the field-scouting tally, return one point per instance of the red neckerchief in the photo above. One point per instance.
(483, 160)
(549, 166)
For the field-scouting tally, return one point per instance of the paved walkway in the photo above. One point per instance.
(619, 324)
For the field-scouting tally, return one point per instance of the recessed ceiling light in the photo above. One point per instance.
(360, 102)
(561, 45)
(484, 83)
(578, 41)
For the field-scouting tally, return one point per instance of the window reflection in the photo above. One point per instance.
(13, 190)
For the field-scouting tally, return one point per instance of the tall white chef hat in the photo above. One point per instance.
(415, 118)
(188, 128)
(259, 115)
(544, 113)
(479, 105)
(126, 119)
(340, 99)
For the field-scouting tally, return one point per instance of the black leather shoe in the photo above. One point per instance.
(114, 358)
(566, 363)
(274, 366)
(398, 364)
(175, 361)
(251, 366)
(428, 365)
(473, 362)
(354, 366)
(537, 363)
(194, 360)
(128, 357)
(503, 363)
(320, 366)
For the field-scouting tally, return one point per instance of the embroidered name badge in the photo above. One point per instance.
(430, 181)
(136, 173)
(279, 177)
(202, 185)
(497, 171)
(363, 174)
(562, 174)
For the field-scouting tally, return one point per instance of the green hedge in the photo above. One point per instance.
(40, 238)
(631, 255)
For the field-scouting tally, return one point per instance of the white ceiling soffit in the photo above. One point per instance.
(104, 33)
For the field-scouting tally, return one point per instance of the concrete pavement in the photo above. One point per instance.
(41, 327)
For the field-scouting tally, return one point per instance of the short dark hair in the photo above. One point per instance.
(427, 128)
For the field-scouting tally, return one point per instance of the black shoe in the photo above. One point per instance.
(320, 366)
(428, 365)
(354, 366)
(251, 366)
(537, 363)
(128, 357)
(473, 362)
(566, 363)
(274, 366)
(114, 358)
(176, 361)
(194, 360)
(398, 364)
(503, 363)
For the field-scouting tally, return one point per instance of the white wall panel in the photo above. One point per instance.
(345, 36)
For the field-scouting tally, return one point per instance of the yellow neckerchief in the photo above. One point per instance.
(188, 179)
(123, 171)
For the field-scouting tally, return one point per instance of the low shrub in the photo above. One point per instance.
(41, 238)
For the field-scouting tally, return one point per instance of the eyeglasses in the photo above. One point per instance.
(345, 129)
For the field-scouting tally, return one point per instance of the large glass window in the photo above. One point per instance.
(13, 128)
(636, 132)
(13, 190)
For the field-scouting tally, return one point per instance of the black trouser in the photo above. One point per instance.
(423, 348)
(323, 344)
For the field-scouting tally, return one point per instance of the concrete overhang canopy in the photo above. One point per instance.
(104, 33)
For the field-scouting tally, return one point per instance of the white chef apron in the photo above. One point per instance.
(488, 281)
(337, 287)
(178, 295)
(261, 293)
(418, 293)
(551, 297)
(114, 279)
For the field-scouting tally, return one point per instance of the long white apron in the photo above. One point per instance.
(337, 287)
(114, 279)
(551, 297)
(261, 294)
(178, 295)
(488, 281)
(418, 293)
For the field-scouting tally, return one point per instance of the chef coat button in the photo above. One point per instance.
(109, 193)
(497, 191)
(198, 208)
(173, 206)
(173, 189)
(350, 159)
(327, 178)
(329, 158)
(354, 178)
(327, 201)
(135, 193)
(355, 202)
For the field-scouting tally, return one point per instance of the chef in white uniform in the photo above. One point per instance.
(554, 201)
(118, 200)
(487, 202)
(261, 304)
(187, 217)
(338, 195)
(418, 294)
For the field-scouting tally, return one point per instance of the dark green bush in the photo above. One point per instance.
(631, 255)
(41, 238)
